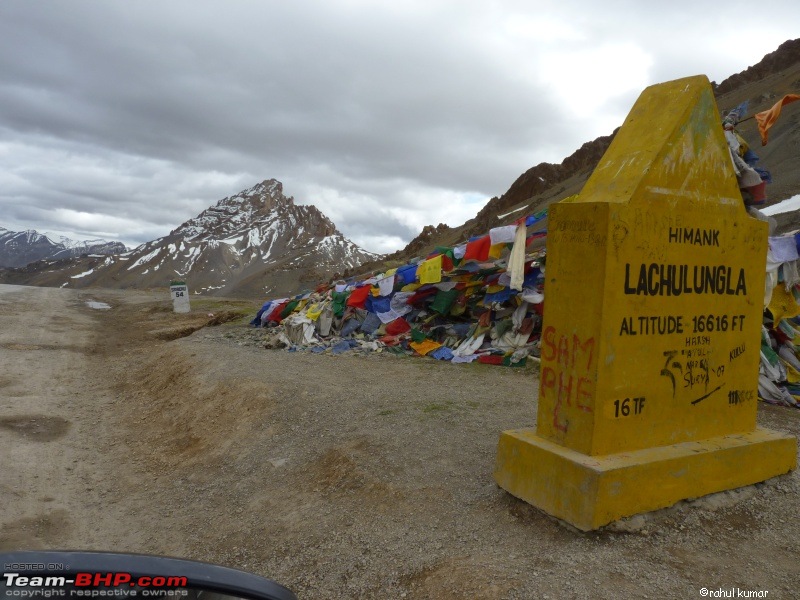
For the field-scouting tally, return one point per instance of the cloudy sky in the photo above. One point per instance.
(121, 119)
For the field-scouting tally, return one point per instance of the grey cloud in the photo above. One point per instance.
(400, 106)
(151, 111)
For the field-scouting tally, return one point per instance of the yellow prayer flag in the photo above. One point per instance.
(783, 305)
(792, 376)
(430, 271)
(496, 250)
(411, 287)
(314, 311)
(425, 346)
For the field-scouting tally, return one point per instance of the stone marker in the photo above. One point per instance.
(651, 337)
(180, 296)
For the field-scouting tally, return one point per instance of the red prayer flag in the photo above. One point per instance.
(478, 249)
(358, 297)
(491, 359)
(447, 262)
(398, 326)
(275, 313)
(421, 295)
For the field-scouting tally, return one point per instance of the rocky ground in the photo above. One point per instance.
(351, 476)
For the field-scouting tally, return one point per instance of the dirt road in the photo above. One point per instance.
(54, 415)
(340, 477)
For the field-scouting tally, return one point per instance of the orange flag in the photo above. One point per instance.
(767, 118)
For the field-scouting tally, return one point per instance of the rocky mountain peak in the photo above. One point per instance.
(256, 208)
(262, 197)
(253, 242)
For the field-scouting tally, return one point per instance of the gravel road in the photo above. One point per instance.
(352, 476)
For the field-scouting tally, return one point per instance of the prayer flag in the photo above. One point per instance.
(478, 249)
(516, 260)
(496, 250)
(386, 285)
(502, 235)
(358, 297)
(535, 218)
(430, 271)
(766, 119)
(398, 327)
(425, 346)
(408, 273)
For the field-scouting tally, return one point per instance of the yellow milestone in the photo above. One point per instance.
(651, 336)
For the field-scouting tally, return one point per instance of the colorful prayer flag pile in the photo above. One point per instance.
(479, 301)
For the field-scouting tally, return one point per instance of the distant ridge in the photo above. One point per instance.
(254, 243)
(20, 248)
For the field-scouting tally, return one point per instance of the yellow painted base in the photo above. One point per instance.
(592, 491)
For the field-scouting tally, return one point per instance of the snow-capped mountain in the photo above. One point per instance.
(256, 242)
(19, 248)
